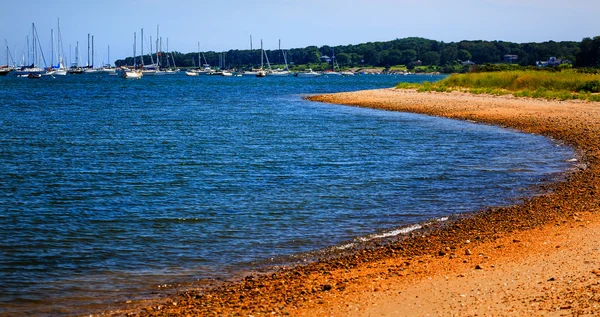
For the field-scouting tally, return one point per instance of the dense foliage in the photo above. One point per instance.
(409, 51)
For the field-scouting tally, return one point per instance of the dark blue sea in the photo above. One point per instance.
(111, 189)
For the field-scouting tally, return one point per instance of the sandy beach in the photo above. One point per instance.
(538, 258)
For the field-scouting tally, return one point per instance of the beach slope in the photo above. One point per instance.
(541, 257)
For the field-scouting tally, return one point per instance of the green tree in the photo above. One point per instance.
(343, 59)
(449, 55)
(391, 57)
(431, 58)
(312, 55)
(408, 56)
(464, 55)
(589, 54)
(371, 56)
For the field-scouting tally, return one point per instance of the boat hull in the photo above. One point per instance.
(132, 75)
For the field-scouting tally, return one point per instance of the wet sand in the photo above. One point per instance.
(541, 257)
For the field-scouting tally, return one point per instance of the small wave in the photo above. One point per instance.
(345, 246)
(398, 232)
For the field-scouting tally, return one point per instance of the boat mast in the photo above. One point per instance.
(157, 41)
(33, 40)
(92, 51)
(199, 60)
(59, 47)
(36, 36)
(332, 60)
(77, 54)
(151, 50)
(172, 55)
(134, 61)
(142, 52)
(161, 50)
(168, 63)
(261, 54)
(88, 59)
(52, 42)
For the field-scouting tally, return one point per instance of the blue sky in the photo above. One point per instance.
(228, 24)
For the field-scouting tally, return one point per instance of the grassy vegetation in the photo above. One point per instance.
(561, 85)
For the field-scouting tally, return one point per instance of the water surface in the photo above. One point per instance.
(109, 188)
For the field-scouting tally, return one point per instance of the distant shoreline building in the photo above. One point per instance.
(552, 62)
(325, 59)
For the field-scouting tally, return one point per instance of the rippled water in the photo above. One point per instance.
(111, 187)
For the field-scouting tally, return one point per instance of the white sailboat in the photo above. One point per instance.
(108, 68)
(147, 70)
(309, 73)
(171, 70)
(203, 69)
(254, 71)
(281, 72)
(261, 72)
(89, 69)
(32, 69)
(132, 73)
(60, 69)
(332, 72)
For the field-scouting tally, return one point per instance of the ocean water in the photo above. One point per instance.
(112, 188)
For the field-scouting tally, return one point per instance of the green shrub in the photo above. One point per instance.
(590, 86)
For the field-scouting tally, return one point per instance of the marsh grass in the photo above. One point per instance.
(563, 85)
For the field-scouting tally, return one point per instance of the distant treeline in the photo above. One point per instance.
(409, 51)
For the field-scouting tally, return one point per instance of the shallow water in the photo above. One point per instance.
(109, 187)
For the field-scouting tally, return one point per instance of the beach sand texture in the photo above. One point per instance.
(538, 258)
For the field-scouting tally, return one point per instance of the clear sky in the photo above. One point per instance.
(227, 24)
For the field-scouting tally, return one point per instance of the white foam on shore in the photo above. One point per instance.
(392, 233)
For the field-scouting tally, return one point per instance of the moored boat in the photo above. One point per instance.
(132, 74)
(331, 73)
(5, 71)
(309, 73)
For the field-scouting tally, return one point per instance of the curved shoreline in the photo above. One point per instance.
(441, 261)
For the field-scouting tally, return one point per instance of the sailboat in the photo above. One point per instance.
(25, 71)
(5, 70)
(171, 70)
(60, 68)
(203, 69)
(89, 69)
(253, 72)
(308, 73)
(132, 73)
(261, 72)
(332, 72)
(75, 69)
(107, 67)
(152, 69)
(281, 72)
